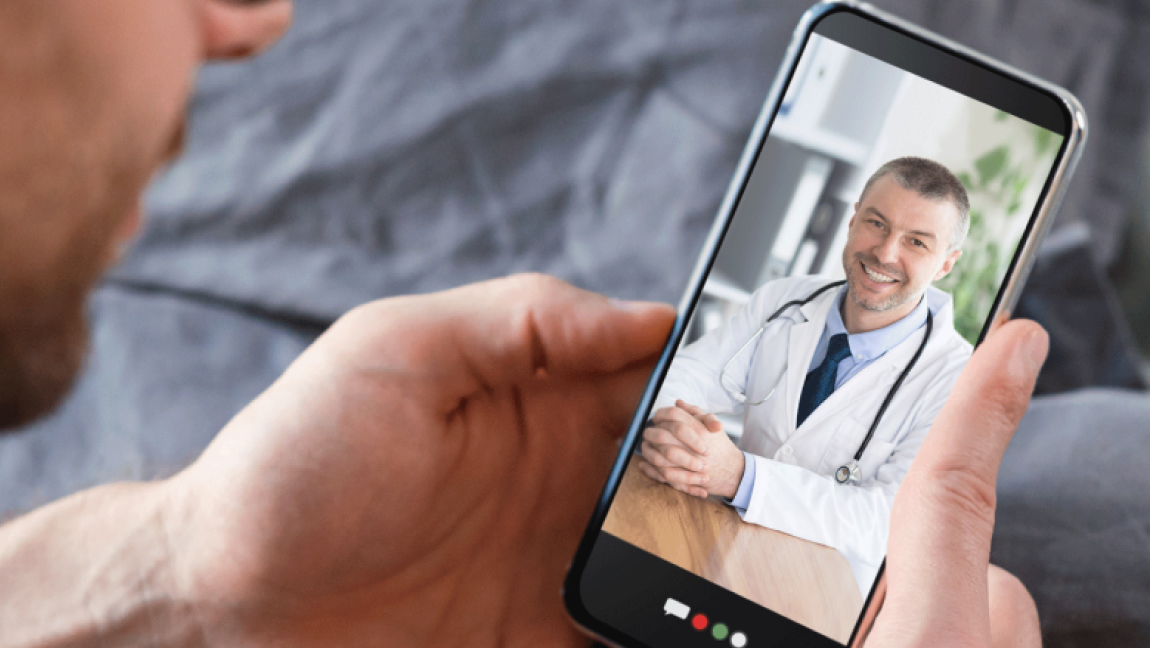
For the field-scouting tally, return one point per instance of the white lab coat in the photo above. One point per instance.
(795, 491)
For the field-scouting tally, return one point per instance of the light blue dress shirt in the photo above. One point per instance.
(865, 349)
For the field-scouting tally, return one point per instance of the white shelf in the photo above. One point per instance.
(720, 287)
(823, 142)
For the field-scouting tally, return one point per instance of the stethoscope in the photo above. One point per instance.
(848, 473)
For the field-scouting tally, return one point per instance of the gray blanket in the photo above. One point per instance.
(1073, 516)
(394, 147)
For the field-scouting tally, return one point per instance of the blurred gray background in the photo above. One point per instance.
(394, 147)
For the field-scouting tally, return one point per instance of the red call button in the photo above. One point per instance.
(699, 622)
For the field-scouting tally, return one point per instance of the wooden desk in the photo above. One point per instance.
(804, 581)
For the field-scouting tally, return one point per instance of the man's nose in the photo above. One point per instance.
(240, 28)
(887, 250)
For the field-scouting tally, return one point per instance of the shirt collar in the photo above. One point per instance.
(868, 346)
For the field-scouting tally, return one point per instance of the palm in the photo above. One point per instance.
(415, 493)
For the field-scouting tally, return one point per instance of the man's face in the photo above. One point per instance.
(897, 244)
(92, 100)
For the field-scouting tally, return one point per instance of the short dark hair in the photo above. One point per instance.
(932, 181)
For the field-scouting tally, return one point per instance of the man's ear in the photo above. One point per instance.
(947, 265)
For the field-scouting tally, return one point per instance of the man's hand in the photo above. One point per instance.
(688, 449)
(420, 476)
(939, 582)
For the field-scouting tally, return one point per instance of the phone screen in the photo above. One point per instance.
(868, 244)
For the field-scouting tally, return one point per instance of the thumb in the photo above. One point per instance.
(709, 421)
(943, 515)
(499, 334)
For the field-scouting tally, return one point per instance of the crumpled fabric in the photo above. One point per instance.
(388, 148)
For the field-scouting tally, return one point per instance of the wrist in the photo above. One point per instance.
(94, 568)
(219, 569)
(730, 486)
(147, 562)
(207, 573)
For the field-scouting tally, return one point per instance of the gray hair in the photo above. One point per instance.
(932, 181)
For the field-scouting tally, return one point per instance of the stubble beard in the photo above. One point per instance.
(39, 361)
(78, 175)
(853, 266)
(43, 314)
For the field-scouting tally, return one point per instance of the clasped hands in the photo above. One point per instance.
(686, 448)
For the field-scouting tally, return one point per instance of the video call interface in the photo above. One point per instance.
(867, 249)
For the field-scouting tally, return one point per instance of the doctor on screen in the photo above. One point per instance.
(811, 385)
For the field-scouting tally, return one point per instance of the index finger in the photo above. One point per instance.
(686, 428)
(709, 420)
(500, 333)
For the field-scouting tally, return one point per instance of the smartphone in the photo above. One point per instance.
(884, 214)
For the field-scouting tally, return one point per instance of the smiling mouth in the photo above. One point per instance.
(877, 277)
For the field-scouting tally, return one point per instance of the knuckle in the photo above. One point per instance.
(964, 492)
(650, 471)
(1008, 403)
(679, 427)
(529, 290)
(652, 456)
(534, 284)
(675, 431)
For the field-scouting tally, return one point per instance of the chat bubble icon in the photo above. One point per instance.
(675, 608)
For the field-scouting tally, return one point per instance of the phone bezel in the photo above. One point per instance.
(1009, 292)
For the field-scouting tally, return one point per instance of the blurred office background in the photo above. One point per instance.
(392, 147)
(844, 115)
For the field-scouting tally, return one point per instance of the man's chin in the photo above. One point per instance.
(35, 378)
(858, 293)
(876, 305)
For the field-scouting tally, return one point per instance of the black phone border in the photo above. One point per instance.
(810, 21)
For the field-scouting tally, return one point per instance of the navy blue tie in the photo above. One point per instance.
(821, 381)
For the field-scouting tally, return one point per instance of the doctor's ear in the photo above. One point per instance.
(947, 265)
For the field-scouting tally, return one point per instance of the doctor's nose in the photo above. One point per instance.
(241, 28)
(887, 251)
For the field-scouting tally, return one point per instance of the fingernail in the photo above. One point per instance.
(1034, 350)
